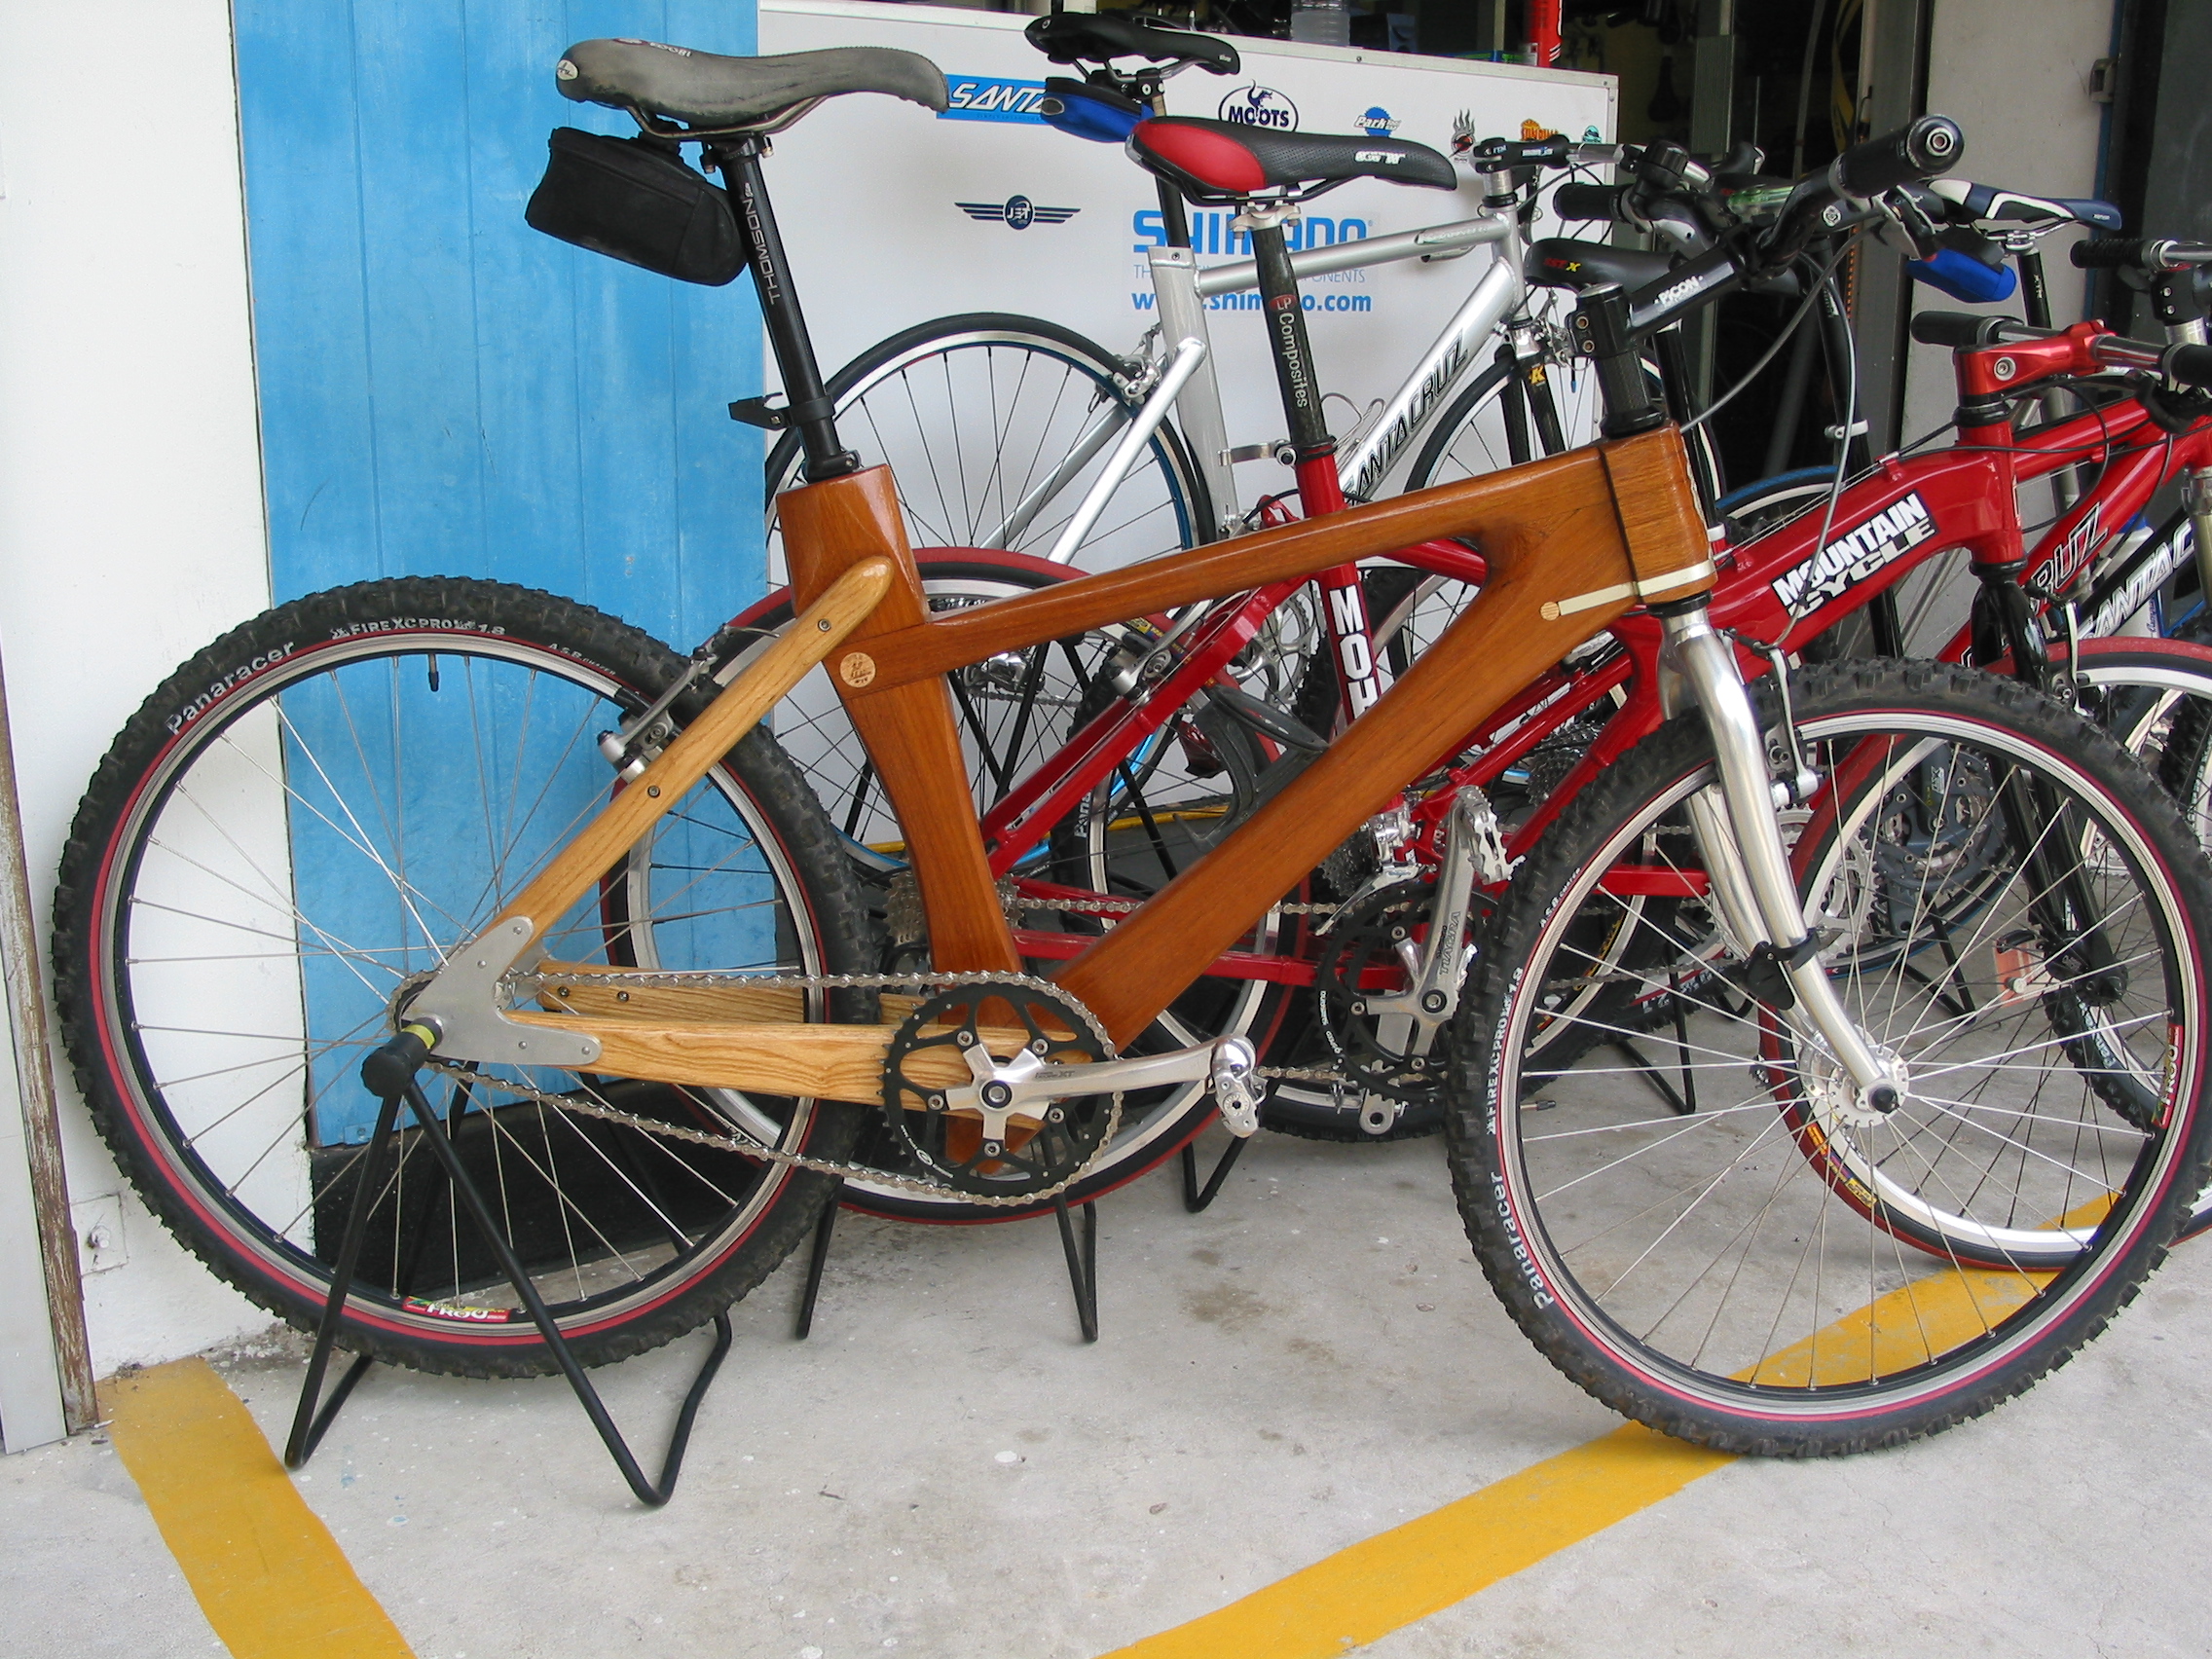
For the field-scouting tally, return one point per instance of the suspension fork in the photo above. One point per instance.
(1741, 841)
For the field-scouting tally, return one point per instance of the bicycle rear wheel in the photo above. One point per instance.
(1780, 1271)
(310, 817)
(995, 426)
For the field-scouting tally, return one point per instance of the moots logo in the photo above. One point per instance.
(1377, 122)
(1017, 212)
(1259, 106)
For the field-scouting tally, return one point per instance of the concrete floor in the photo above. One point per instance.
(944, 1469)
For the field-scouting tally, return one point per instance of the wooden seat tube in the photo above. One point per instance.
(828, 528)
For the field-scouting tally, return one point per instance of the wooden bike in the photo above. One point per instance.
(382, 833)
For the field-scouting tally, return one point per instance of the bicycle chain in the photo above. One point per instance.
(1123, 906)
(746, 1147)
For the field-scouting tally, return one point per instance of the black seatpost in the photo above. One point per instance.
(1601, 336)
(1287, 344)
(806, 404)
(1171, 215)
(2035, 291)
(1149, 90)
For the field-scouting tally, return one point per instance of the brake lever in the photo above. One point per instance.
(1907, 228)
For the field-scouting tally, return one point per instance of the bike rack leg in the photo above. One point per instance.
(822, 1230)
(1196, 1198)
(1082, 1266)
(308, 1426)
(1653, 1075)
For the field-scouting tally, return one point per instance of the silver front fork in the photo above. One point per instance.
(2196, 499)
(1741, 841)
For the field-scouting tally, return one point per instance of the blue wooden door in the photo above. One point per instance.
(444, 390)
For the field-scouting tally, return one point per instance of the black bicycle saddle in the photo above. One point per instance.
(1563, 262)
(707, 90)
(1091, 37)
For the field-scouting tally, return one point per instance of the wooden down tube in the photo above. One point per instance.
(740, 705)
(733, 1036)
(1573, 543)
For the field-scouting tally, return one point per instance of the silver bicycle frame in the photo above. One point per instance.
(1181, 292)
(1190, 352)
(1497, 297)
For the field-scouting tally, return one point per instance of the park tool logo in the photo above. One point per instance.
(1377, 122)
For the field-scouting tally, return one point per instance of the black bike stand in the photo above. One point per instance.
(823, 1232)
(309, 1424)
(1082, 1265)
(1196, 1197)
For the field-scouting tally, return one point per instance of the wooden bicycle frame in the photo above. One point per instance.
(1571, 544)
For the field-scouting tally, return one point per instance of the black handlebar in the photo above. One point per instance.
(2144, 253)
(1928, 147)
(1588, 201)
(2190, 365)
(1961, 331)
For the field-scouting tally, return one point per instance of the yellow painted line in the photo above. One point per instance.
(1362, 1593)
(264, 1568)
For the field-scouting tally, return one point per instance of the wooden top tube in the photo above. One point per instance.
(1637, 486)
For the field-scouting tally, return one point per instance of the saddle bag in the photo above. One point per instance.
(634, 199)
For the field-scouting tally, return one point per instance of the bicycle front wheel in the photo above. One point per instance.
(1754, 1260)
(303, 824)
(995, 427)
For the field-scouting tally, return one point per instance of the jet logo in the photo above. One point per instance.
(1017, 212)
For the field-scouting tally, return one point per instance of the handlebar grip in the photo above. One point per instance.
(2190, 365)
(2145, 253)
(1930, 146)
(1588, 201)
(1961, 331)
(2107, 253)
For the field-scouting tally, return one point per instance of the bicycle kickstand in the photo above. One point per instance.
(389, 1074)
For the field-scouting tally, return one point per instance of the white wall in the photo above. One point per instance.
(2015, 78)
(130, 521)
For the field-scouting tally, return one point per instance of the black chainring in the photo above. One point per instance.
(949, 1143)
